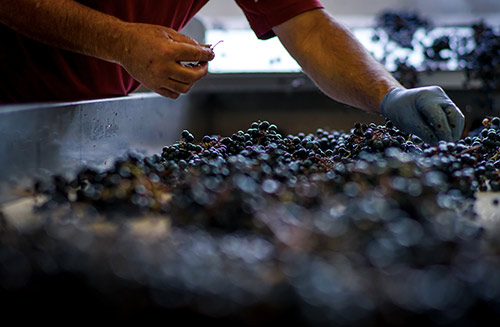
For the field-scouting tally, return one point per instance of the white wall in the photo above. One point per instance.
(435, 9)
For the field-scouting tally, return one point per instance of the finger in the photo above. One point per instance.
(425, 132)
(167, 93)
(190, 74)
(456, 120)
(189, 52)
(436, 119)
(176, 86)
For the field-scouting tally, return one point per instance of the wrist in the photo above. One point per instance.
(389, 98)
(116, 41)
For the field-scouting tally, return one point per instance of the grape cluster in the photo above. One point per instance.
(478, 55)
(406, 74)
(400, 26)
(353, 226)
(483, 61)
(434, 52)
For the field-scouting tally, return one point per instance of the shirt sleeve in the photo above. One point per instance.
(263, 15)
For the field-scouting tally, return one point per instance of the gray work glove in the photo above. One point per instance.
(425, 111)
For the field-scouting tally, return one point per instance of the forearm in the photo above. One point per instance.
(335, 60)
(65, 24)
(152, 54)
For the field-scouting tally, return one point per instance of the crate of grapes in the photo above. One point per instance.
(364, 225)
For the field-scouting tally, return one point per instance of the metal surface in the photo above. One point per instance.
(40, 139)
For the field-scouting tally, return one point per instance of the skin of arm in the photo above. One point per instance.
(335, 60)
(150, 53)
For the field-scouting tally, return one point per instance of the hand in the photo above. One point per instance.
(153, 54)
(426, 111)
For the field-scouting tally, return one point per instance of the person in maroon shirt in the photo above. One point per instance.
(71, 50)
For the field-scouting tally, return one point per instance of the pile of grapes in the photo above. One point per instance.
(370, 226)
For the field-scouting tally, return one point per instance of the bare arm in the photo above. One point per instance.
(150, 53)
(345, 71)
(65, 24)
(335, 60)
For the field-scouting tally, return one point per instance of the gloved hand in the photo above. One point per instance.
(425, 111)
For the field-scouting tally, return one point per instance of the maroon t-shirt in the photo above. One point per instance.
(31, 71)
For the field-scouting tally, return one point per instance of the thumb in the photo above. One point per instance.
(190, 52)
